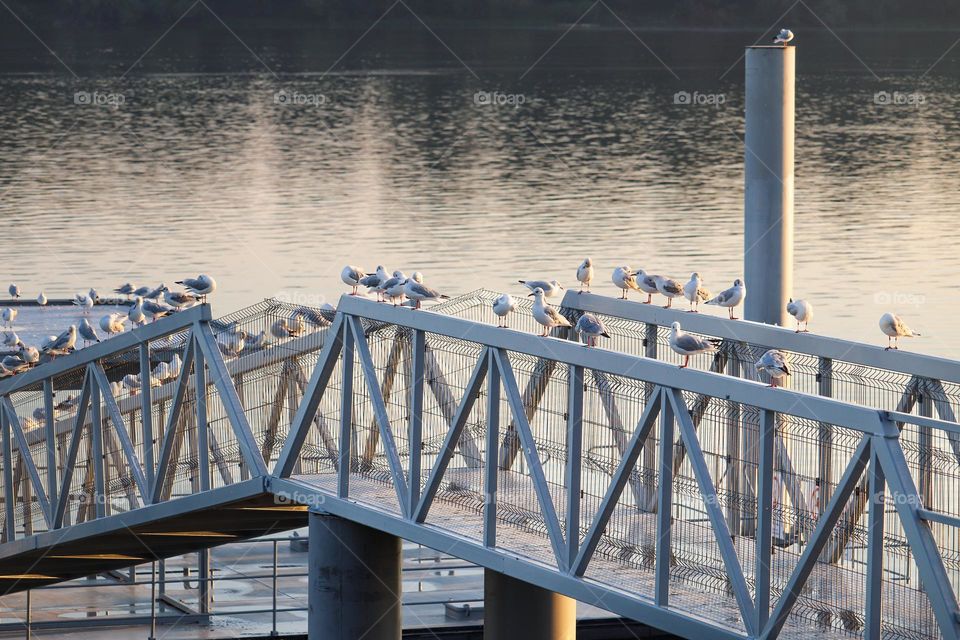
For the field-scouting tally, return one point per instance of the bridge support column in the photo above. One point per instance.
(354, 581)
(517, 610)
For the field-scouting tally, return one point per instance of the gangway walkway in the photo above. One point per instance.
(699, 500)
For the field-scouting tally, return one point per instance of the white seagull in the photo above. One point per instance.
(136, 313)
(783, 37)
(418, 292)
(626, 279)
(545, 314)
(669, 288)
(352, 276)
(694, 292)
(113, 323)
(647, 283)
(551, 288)
(585, 274)
(503, 304)
(126, 289)
(155, 310)
(774, 364)
(14, 291)
(374, 280)
(201, 286)
(87, 332)
(802, 311)
(62, 344)
(42, 299)
(11, 339)
(178, 299)
(730, 298)
(85, 302)
(232, 342)
(895, 328)
(687, 345)
(393, 287)
(9, 315)
(591, 327)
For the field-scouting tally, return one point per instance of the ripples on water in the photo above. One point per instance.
(200, 169)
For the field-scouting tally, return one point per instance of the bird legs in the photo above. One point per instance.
(669, 303)
(895, 345)
(649, 299)
(623, 296)
(355, 287)
(581, 288)
(805, 327)
(686, 362)
(732, 317)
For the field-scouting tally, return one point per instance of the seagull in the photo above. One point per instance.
(259, 341)
(592, 327)
(14, 364)
(152, 294)
(176, 364)
(29, 354)
(131, 382)
(201, 286)
(155, 310)
(895, 328)
(162, 371)
(68, 405)
(113, 323)
(136, 312)
(502, 306)
(296, 325)
(393, 287)
(281, 329)
(647, 283)
(585, 274)
(802, 311)
(94, 295)
(669, 287)
(62, 344)
(374, 280)
(551, 288)
(9, 315)
(545, 314)
(694, 292)
(352, 276)
(179, 299)
(730, 298)
(84, 302)
(774, 364)
(312, 316)
(126, 289)
(418, 292)
(42, 299)
(626, 279)
(232, 343)
(783, 37)
(11, 339)
(87, 332)
(687, 344)
(14, 291)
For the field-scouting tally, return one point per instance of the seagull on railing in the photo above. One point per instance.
(42, 300)
(418, 292)
(113, 323)
(9, 315)
(687, 344)
(730, 298)
(546, 315)
(695, 292)
(14, 364)
(29, 354)
(668, 288)
(585, 274)
(136, 313)
(626, 279)
(231, 343)
(895, 328)
(87, 332)
(393, 288)
(126, 289)
(374, 280)
(201, 286)
(647, 283)
(11, 339)
(85, 302)
(94, 295)
(802, 311)
(551, 288)
(592, 327)
(774, 364)
(783, 37)
(259, 341)
(503, 304)
(179, 300)
(62, 344)
(14, 291)
(155, 310)
(352, 276)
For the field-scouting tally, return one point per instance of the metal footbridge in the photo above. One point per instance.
(698, 501)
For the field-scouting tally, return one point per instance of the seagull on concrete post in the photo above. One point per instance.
(783, 37)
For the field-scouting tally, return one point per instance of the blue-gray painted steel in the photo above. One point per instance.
(664, 550)
(26, 461)
(113, 414)
(173, 421)
(767, 437)
(491, 466)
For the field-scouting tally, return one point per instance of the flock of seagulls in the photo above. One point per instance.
(147, 303)
(394, 288)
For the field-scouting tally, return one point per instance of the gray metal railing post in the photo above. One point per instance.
(50, 436)
(10, 527)
(664, 550)
(203, 436)
(146, 414)
(273, 631)
(29, 614)
(153, 600)
(96, 431)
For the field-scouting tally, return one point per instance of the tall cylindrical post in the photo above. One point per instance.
(768, 183)
(517, 610)
(354, 581)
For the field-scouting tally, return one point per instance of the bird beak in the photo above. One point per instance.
(529, 295)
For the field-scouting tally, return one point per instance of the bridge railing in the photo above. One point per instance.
(554, 452)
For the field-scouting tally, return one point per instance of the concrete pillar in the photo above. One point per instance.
(517, 610)
(354, 581)
(768, 183)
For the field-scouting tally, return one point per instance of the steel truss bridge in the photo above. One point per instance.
(699, 501)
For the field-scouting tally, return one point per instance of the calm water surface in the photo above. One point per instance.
(379, 153)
